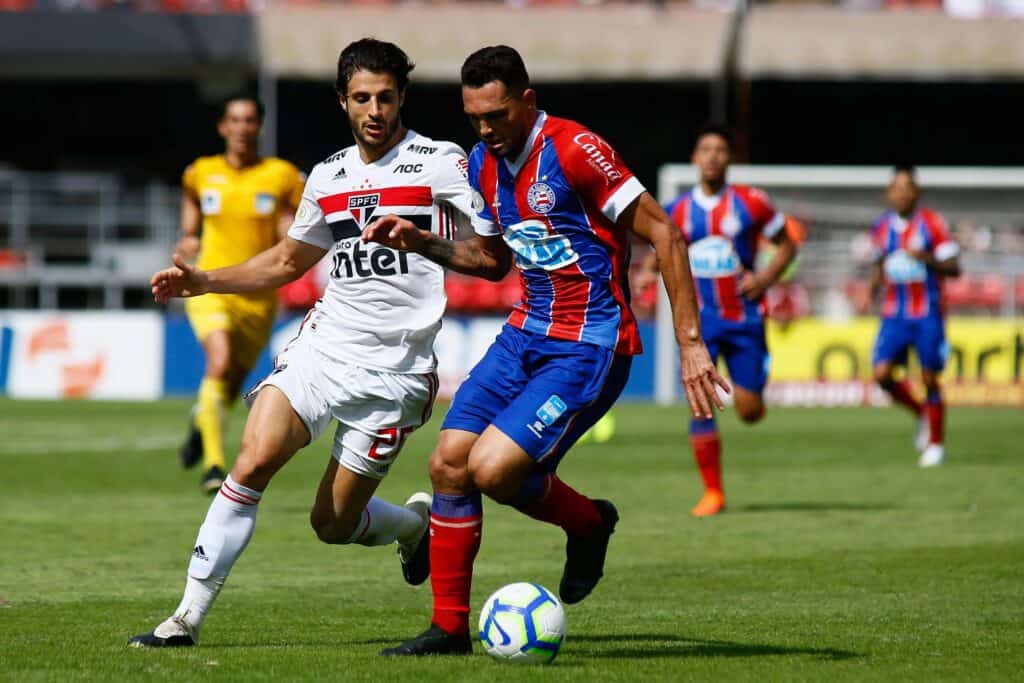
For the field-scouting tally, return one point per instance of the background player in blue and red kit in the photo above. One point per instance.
(722, 224)
(914, 252)
(557, 199)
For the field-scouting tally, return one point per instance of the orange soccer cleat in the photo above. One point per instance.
(711, 503)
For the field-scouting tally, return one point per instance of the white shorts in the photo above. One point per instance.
(375, 411)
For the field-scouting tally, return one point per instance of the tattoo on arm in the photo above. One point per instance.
(439, 250)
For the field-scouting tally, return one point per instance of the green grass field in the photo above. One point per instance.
(838, 559)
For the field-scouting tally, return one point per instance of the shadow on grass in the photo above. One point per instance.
(808, 505)
(632, 646)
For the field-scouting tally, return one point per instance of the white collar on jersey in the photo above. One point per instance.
(514, 166)
(899, 223)
(706, 201)
(392, 153)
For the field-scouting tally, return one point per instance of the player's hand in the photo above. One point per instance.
(921, 255)
(751, 286)
(182, 281)
(395, 232)
(701, 380)
(188, 247)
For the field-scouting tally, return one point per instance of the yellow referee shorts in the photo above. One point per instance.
(247, 321)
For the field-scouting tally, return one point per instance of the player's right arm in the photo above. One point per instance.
(284, 262)
(191, 216)
(485, 256)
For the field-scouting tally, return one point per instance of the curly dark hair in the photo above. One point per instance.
(376, 56)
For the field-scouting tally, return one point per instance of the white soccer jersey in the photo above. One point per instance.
(382, 308)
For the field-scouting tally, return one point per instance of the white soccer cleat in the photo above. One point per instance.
(173, 632)
(415, 555)
(933, 456)
(924, 434)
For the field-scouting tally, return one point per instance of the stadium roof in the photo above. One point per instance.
(830, 42)
(558, 43)
(600, 42)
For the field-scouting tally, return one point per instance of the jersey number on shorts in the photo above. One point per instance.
(391, 439)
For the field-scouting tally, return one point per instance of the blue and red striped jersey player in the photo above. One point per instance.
(913, 254)
(557, 200)
(723, 223)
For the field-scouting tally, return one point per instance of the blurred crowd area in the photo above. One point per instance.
(829, 279)
(831, 276)
(961, 8)
(80, 240)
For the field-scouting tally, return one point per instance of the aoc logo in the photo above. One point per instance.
(600, 155)
(540, 197)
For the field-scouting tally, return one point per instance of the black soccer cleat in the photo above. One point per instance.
(176, 634)
(584, 557)
(415, 558)
(191, 452)
(434, 641)
(417, 569)
(212, 479)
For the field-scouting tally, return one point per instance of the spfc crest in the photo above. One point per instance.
(362, 206)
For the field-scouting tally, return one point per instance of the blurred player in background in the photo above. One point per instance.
(369, 367)
(914, 252)
(722, 224)
(787, 300)
(234, 206)
(557, 199)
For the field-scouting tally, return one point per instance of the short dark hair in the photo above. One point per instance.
(905, 168)
(496, 63)
(376, 56)
(242, 97)
(715, 128)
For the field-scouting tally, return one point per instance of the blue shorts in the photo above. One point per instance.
(542, 393)
(744, 348)
(926, 335)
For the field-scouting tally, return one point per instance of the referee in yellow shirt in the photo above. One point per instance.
(234, 206)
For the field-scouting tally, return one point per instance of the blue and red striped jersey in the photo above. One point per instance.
(722, 233)
(556, 207)
(912, 288)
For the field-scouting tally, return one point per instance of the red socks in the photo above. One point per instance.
(900, 392)
(935, 410)
(565, 507)
(707, 451)
(455, 525)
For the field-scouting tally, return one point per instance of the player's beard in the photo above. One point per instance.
(386, 140)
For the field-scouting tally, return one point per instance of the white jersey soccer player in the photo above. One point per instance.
(363, 356)
(382, 308)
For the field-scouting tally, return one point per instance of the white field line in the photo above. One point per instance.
(101, 444)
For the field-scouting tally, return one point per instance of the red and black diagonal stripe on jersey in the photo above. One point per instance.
(363, 205)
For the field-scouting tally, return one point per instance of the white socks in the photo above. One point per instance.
(383, 523)
(229, 525)
(222, 538)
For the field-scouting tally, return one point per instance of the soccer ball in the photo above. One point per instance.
(522, 623)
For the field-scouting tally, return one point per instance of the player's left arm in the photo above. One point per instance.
(485, 256)
(645, 217)
(944, 255)
(295, 184)
(754, 285)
